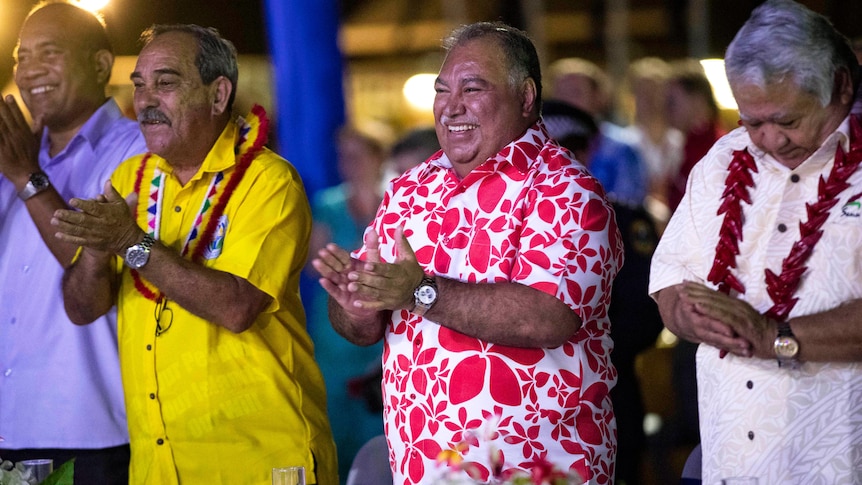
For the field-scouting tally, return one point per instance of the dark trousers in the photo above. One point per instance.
(106, 466)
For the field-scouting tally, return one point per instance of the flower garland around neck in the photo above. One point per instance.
(251, 138)
(780, 287)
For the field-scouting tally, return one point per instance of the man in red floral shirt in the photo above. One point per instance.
(488, 273)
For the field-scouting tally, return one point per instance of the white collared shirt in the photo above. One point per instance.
(783, 426)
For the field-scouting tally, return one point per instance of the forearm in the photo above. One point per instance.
(88, 287)
(700, 314)
(41, 208)
(360, 328)
(504, 313)
(831, 336)
(216, 296)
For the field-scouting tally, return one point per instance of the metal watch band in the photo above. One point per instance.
(148, 242)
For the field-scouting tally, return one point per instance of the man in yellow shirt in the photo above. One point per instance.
(203, 263)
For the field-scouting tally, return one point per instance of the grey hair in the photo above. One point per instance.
(517, 47)
(785, 41)
(216, 55)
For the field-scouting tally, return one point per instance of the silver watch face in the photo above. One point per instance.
(786, 347)
(137, 256)
(426, 294)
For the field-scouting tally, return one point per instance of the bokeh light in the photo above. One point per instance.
(714, 69)
(419, 91)
(93, 5)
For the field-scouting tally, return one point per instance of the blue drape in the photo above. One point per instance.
(303, 44)
(307, 71)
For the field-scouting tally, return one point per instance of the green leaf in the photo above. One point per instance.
(63, 475)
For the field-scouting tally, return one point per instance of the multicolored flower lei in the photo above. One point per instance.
(252, 137)
(780, 287)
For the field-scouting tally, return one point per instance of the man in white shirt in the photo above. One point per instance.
(760, 264)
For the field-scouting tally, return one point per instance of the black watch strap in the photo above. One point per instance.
(38, 182)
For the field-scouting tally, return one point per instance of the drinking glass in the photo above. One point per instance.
(290, 475)
(739, 481)
(39, 469)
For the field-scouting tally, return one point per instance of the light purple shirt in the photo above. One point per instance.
(59, 383)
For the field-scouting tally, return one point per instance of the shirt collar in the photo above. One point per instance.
(92, 131)
(521, 153)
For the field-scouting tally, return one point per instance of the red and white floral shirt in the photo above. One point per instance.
(530, 215)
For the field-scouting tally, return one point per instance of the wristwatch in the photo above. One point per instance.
(138, 255)
(786, 346)
(425, 295)
(38, 183)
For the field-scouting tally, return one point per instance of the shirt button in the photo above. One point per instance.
(149, 347)
(794, 178)
(152, 396)
(7, 372)
(160, 441)
(25, 268)
(782, 228)
(178, 209)
(751, 435)
(749, 384)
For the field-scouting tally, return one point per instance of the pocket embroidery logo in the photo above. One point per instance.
(853, 207)
(213, 250)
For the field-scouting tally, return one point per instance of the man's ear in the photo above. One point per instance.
(104, 62)
(844, 88)
(221, 91)
(528, 93)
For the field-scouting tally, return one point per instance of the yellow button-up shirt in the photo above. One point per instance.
(206, 405)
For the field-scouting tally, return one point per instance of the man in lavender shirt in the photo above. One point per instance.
(60, 390)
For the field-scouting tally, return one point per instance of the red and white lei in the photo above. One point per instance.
(780, 287)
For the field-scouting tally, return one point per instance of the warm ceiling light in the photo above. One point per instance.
(93, 5)
(419, 91)
(714, 69)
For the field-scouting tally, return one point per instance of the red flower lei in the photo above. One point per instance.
(246, 152)
(781, 287)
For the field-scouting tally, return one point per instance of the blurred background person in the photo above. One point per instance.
(614, 160)
(413, 148)
(635, 321)
(691, 109)
(657, 142)
(856, 44)
(341, 213)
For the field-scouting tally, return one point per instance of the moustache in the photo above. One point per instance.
(152, 115)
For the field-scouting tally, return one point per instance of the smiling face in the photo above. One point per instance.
(477, 111)
(787, 122)
(179, 115)
(61, 80)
